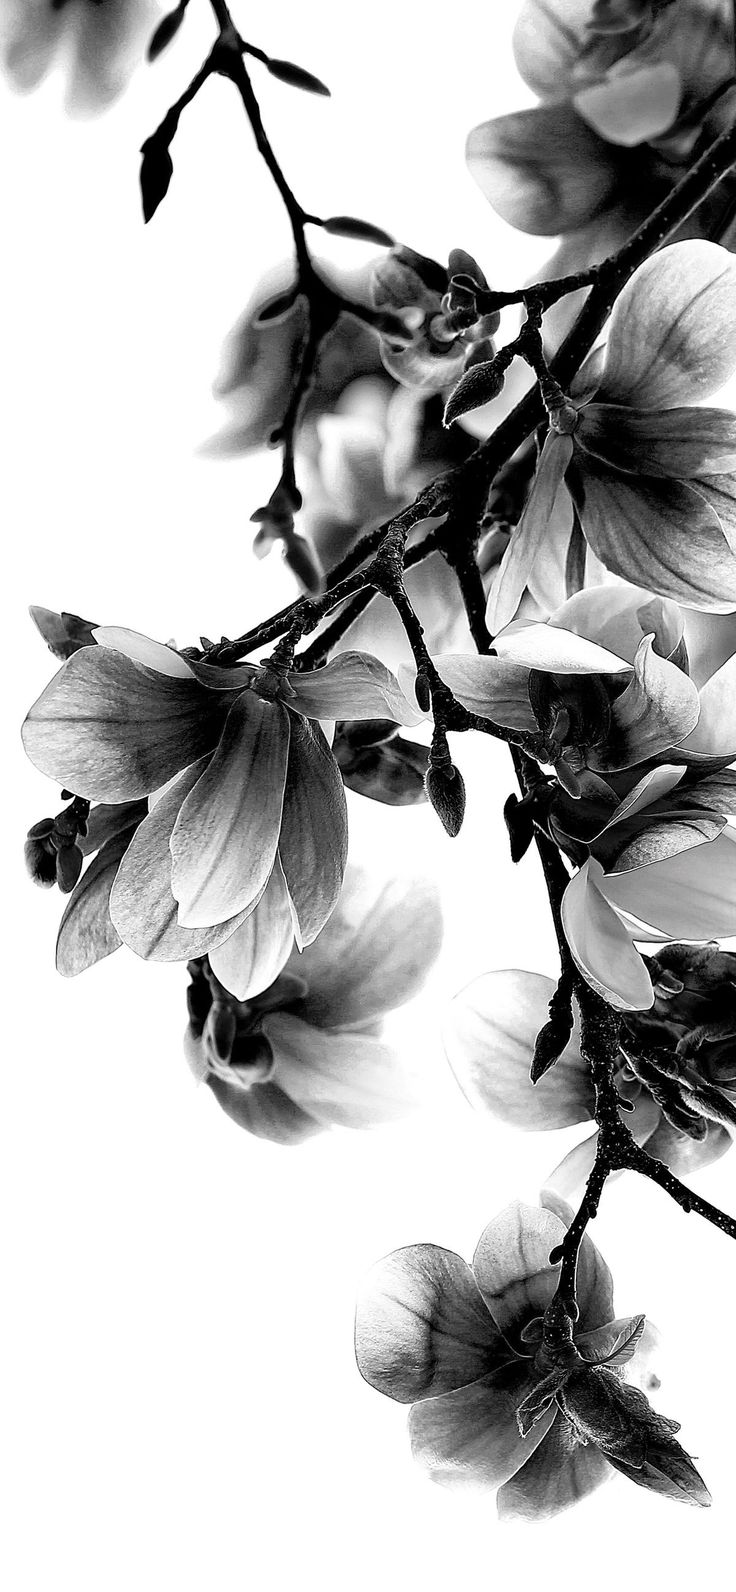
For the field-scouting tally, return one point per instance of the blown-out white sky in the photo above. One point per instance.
(181, 1405)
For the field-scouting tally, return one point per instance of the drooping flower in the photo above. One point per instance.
(307, 1052)
(446, 334)
(103, 41)
(621, 111)
(496, 1401)
(637, 471)
(676, 1067)
(247, 808)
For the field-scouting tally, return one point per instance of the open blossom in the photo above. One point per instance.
(676, 1066)
(632, 463)
(620, 110)
(496, 1403)
(307, 1052)
(102, 40)
(247, 807)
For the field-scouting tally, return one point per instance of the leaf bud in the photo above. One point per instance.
(445, 788)
(157, 170)
(296, 76)
(477, 385)
(167, 30)
(361, 231)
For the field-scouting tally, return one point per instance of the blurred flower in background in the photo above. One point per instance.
(98, 42)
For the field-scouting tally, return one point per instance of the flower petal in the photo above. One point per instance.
(512, 1267)
(141, 649)
(142, 907)
(375, 951)
(672, 332)
(543, 170)
(492, 687)
(715, 731)
(616, 616)
(86, 932)
(571, 1174)
(684, 1155)
(549, 38)
(314, 829)
(551, 647)
(678, 443)
(351, 1080)
(111, 730)
(691, 896)
(251, 958)
(489, 1033)
(225, 838)
(557, 1475)
(632, 107)
(659, 707)
(421, 1327)
(352, 686)
(659, 534)
(600, 945)
(527, 539)
(471, 1437)
(264, 1110)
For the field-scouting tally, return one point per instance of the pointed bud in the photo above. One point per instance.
(167, 29)
(276, 310)
(157, 170)
(446, 791)
(520, 825)
(304, 564)
(422, 692)
(361, 231)
(296, 77)
(477, 386)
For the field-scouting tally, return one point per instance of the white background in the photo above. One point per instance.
(181, 1407)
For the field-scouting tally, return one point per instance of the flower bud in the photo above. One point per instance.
(40, 858)
(446, 791)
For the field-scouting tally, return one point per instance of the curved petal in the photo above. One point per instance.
(672, 332)
(571, 1174)
(719, 492)
(265, 1111)
(527, 540)
(678, 443)
(543, 170)
(691, 896)
(659, 534)
(657, 710)
(353, 685)
(471, 1437)
(548, 40)
(650, 788)
(142, 907)
(141, 649)
(489, 1033)
(715, 731)
(552, 647)
(558, 1475)
(253, 956)
(421, 1327)
(225, 837)
(349, 1080)
(616, 616)
(630, 108)
(492, 687)
(600, 945)
(313, 842)
(112, 730)
(86, 932)
(512, 1267)
(375, 951)
(684, 1155)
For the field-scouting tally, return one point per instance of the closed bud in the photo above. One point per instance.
(422, 691)
(361, 231)
(520, 825)
(477, 386)
(446, 791)
(166, 31)
(296, 77)
(157, 170)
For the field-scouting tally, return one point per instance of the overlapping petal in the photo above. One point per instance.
(543, 170)
(512, 1268)
(672, 333)
(528, 538)
(658, 709)
(421, 1326)
(600, 946)
(313, 829)
(559, 1473)
(349, 1080)
(682, 442)
(251, 957)
(353, 685)
(470, 1437)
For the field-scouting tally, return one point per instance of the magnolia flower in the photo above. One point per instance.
(676, 1068)
(496, 1405)
(103, 41)
(620, 110)
(434, 354)
(247, 807)
(644, 475)
(599, 687)
(306, 1053)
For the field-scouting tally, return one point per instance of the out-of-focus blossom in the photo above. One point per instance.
(631, 464)
(100, 42)
(621, 114)
(247, 810)
(676, 1067)
(358, 466)
(306, 1053)
(376, 761)
(497, 1403)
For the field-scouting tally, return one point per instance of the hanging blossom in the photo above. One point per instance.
(640, 754)
(247, 808)
(307, 1052)
(630, 465)
(676, 1065)
(443, 336)
(494, 1403)
(621, 111)
(102, 41)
